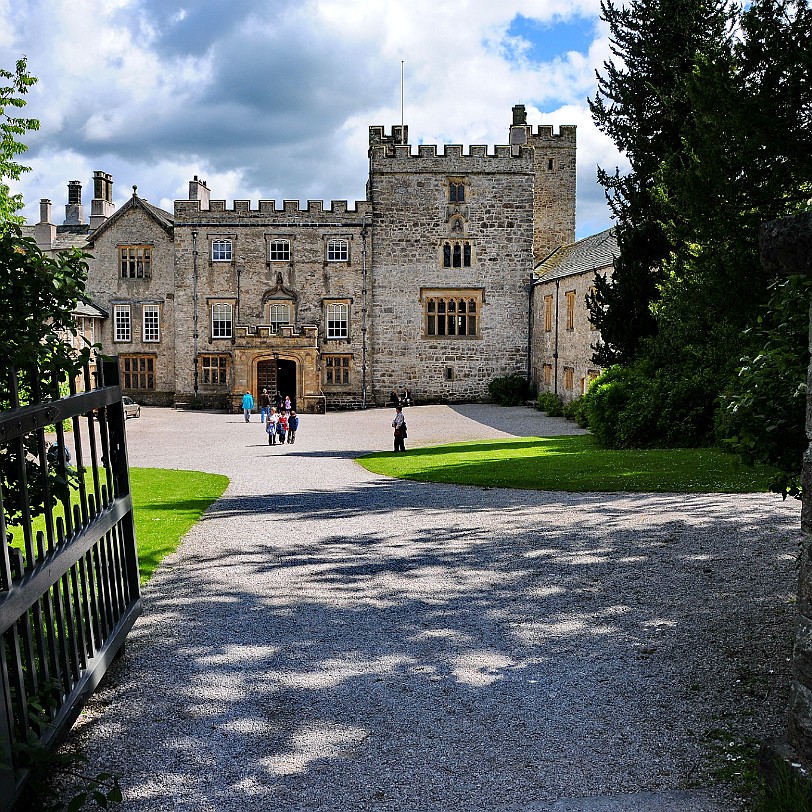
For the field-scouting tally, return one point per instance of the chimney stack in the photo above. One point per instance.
(199, 191)
(101, 207)
(45, 230)
(74, 211)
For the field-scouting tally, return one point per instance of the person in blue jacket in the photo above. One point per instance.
(293, 424)
(247, 405)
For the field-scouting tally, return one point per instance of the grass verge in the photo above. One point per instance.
(573, 463)
(167, 504)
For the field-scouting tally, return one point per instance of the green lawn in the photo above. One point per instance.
(166, 505)
(572, 463)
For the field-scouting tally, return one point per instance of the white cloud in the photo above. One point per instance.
(272, 99)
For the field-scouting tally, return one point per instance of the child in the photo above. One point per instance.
(293, 424)
(283, 426)
(271, 425)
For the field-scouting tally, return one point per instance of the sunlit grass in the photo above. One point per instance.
(166, 505)
(573, 463)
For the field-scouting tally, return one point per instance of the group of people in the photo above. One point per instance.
(402, 398)
(277, 413)
(281, 426)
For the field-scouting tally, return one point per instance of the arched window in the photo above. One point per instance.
(278, 315)
(457, 254)
(221, 321)
(221, 251)
(456, 192)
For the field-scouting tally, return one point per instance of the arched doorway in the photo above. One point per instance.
(286, 379)
(277, 375)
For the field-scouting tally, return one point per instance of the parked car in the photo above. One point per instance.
(131, 408)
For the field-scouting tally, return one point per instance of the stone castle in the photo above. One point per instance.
(428, 284)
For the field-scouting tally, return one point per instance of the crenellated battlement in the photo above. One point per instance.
(450, 152)
(185, 209)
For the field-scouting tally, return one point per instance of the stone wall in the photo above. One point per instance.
(786, 248)
(567, 353)
(135, 226)
(250, 281)
(413, 216)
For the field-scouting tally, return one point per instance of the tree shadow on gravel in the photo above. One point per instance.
(468, 652)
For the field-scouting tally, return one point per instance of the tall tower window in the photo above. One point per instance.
(457, 254)
(456, 192)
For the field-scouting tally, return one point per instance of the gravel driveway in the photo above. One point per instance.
(330, 639)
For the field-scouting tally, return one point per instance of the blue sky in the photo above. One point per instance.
(272, 99)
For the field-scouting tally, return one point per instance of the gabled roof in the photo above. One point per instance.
(164, 219)
(587, 255)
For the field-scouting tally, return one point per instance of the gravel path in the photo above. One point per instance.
(329, 639)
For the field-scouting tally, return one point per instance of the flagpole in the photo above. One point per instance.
(402, 137)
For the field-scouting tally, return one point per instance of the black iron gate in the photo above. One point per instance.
(69, 582)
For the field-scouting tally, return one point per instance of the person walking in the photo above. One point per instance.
(293, 424)
(264, 405)
(271, 426)
(247, 405)
(288, 404)
(399, 425)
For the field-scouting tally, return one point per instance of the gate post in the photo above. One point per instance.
(786, 249)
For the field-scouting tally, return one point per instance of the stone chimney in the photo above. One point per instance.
(199, 191)
(45, 230)
(74, 211)
(101, 207)
(519, 130)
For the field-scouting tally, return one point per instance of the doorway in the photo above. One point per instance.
(277, 376)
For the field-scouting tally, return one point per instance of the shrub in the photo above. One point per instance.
(576, 410)
(510, 390)
(641, 407)
(550, 402)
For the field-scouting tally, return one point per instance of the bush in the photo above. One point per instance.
(511, 390)
(576, 410)
(638, 407)
(550, 402)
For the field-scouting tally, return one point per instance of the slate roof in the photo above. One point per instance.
(587, 255)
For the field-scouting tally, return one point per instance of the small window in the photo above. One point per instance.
(214, 370)
(569, 377)
(338, 251)
(122, 323)
(221, 251)
(279, 251)
(136, 261)
(221, 321)
(138, 371)
(570, 295)
(456, 192)
(336, 370)
(278, 314)
(548, 374)
(338, 321)
(151, 323)
(550, 164)
(548, 313)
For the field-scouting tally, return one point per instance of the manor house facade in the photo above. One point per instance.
(426, 284)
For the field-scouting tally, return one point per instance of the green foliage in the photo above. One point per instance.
(44, 766)
(642, 106)
(641, 406)
(15, 85)
(576, 410)
(37, 294)
(763, 413)
(510, 390)
(550, 403)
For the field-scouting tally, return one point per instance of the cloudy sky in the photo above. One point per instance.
(272, 99)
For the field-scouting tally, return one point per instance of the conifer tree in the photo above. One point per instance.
(641, 104)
